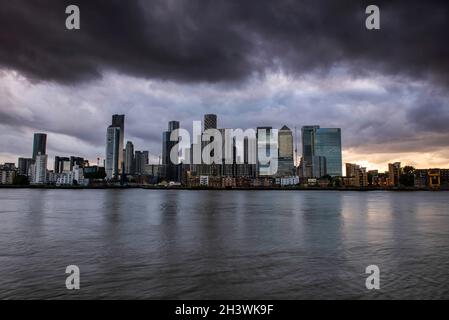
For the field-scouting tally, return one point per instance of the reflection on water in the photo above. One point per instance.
(223, 244)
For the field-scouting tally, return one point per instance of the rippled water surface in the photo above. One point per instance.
(156, 244)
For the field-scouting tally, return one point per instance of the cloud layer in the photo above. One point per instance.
(200, 40)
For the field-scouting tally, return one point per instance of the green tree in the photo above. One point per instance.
(408, 170)
(99, 174)
(407, 178)
(370, 178)
(20, 180)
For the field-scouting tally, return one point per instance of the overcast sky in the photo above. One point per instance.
(253, 63)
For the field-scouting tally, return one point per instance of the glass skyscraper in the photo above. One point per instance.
(210, 121)
(322, 152)
(118, 120)
(112, 152)
(170, 171)
(267, 141)
(285, 155)
(39, 144)
(328, 146)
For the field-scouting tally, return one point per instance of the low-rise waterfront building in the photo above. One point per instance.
(394, 173)
(356, 176)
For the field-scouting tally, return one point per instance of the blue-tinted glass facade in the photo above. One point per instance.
(308, 134)
(328, 145)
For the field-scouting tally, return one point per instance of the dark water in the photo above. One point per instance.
(223, 244)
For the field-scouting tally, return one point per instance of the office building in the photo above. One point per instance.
(118, 120)
(129, 158)
(328, 146)
(266, 143)
(173, 125)
(213, 169)
(170, 168)
(286, 165)
(322, 152)
(141, 160)
(210, 121)
(39, 144)
(113, 152)
(310, 166)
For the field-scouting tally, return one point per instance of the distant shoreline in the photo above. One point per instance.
(147, 187)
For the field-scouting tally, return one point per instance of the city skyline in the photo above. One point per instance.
(219, 158)
(391, 107)
(118, 122)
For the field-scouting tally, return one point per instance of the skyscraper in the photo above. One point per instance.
(285, 153)
(166, 147)
(141, 159)
(210, 121)
(173, 125)
(145, 158)
(114, 162)
(129, 158)
(328, 146)
(264, 147)
(170, 168)
(322, 152)
(118, 120)
(166, 143)
(308, 169)
(39, 144)
(113, 152)
(228, 157)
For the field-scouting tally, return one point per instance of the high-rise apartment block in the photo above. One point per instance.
(39, 169)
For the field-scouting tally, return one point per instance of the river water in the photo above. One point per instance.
(181, 244)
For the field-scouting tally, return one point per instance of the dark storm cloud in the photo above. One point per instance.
(222, 39)
(430, 114)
